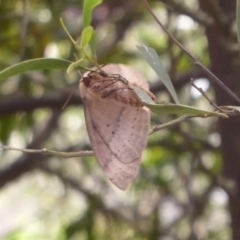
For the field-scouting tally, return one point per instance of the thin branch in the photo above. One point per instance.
(171, 123)
(195, 61)
(26, 163)
(168, 33)
(50, 152)
(205, 95)
(218, 81)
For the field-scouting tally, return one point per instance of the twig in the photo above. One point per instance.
(195, 61)
(50, 152)
(218, 81)
(171, 123)
(26, 162)
(205, 95)
(168, 33)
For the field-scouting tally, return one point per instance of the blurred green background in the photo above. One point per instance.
(188, 183)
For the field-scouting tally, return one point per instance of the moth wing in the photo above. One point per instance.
(129, 73)
(118, 134)
(130, 138)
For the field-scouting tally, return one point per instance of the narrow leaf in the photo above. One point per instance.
(86, 36)
(75, 66)
(88, 6)
(230, 108)
(93, 44)
(153, 60)
(143, 96)
(34, 64)
(169, 108)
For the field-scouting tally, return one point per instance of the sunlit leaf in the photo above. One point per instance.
(35, 64)
(153, 60)
(169, 108)
(88, 6)
(86, 35)
(93, 44)
(74, 66)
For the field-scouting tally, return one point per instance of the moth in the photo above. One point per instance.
(117, 122)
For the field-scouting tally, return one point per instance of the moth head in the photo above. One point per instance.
(91, 82)
(84, 84)
(86, 80)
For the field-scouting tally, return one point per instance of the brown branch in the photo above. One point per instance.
(25, 163)
(23, 103)
(178, 81)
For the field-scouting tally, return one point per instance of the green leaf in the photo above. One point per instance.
(75, 66)
(86, 36)
(88, 6)
(35, 64)
(93, 44)
(143, 96)
(153, 60)
(230, 108)
(169, 108)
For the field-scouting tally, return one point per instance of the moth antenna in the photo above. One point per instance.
(65, 104)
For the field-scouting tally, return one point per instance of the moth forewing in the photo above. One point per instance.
(117, 123)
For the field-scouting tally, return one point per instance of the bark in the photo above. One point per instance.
(225, 64)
